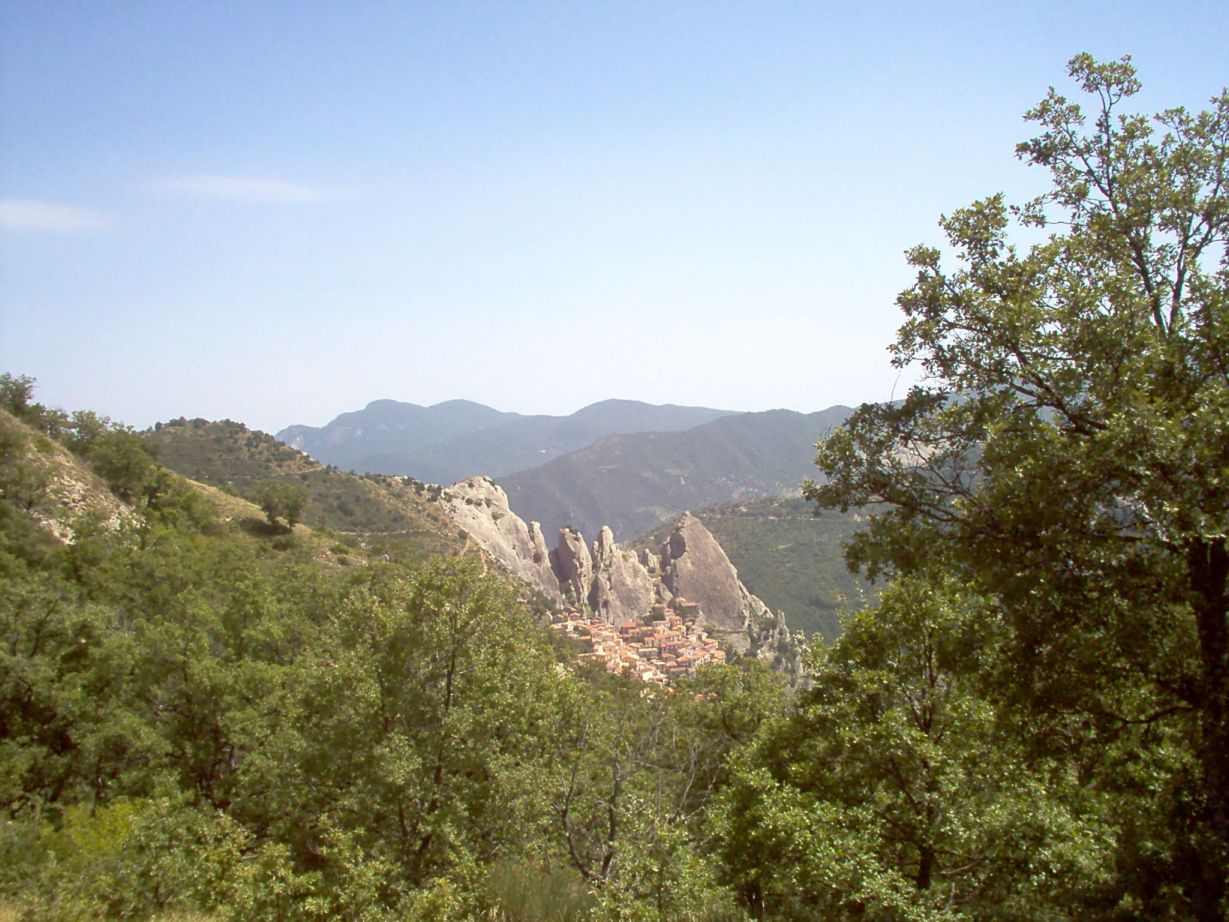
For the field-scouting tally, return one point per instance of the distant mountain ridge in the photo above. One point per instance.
(618, 463)
(632, 482)
(449, 441)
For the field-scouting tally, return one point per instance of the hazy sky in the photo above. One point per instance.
(276, 212)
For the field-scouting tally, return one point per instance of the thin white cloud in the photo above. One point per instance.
(244, 189)
(47, 217)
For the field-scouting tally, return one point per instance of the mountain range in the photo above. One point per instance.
(456, 439)
(358, 518)
(618, 463)
(633, 481)
(641, 468)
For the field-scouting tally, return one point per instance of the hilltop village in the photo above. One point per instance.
(667, 643)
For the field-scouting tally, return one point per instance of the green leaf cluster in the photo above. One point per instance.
(1062, 463)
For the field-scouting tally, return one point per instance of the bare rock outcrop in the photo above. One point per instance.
(620, 585)
(694, 566)
(622, 588)
(480, 506)
(573, 566)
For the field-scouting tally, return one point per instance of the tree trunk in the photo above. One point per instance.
(1208, 569)
(925, 868)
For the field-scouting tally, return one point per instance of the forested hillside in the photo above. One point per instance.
(203, 715)
(633, 482)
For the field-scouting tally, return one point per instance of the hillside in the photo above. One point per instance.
(42, 479)
(784, 554)
(199, 707)
(788, 556)
(379, 512)
(68, 499)
(449, 441)
(632, 482)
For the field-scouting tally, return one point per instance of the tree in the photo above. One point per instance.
(427, 709)
(17, 398)
(281, 499)
(1065, 457)
(640, 768)
(16, 393)
(890, 792)
(23, 482)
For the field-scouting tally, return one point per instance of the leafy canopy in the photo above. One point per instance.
(281, 499)
(1065, 455)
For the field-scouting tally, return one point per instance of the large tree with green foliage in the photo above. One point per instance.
(892, 791)
(1065, 458)
(639, 770)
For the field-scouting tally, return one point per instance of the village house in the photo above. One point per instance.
(667, 643)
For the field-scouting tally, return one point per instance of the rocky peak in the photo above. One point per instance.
(573, 566)
(480, 506)
(694, 565)
(622, 588)
(620, 585)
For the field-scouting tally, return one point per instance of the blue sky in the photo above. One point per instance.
(277, 212)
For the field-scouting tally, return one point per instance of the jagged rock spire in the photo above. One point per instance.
(616, 584)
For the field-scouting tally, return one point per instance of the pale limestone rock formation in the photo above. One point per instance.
(480, 506)
(573, 566)
(694, 566)
(691, 564)
(622, 589)
(620, 585)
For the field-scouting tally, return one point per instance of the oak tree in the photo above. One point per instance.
(1065, 456)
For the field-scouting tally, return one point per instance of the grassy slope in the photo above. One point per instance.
(245, 523)
(787, 556)
(60, 487)
(387, 514)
